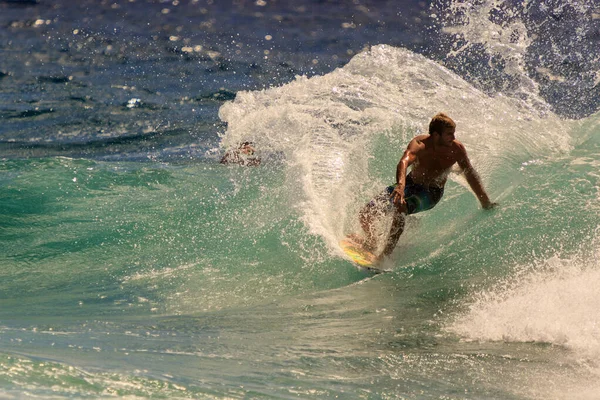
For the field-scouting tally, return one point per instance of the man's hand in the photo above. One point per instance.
(398, 197)
(489, 205)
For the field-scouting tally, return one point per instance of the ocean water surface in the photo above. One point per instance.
(134, 265)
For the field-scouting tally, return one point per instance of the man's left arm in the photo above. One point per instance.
(473, 179)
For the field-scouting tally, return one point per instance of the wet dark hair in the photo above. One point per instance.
(439, 122)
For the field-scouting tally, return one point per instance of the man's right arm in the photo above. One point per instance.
(408, 158)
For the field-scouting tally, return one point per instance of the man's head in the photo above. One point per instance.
(442, 128)
(439, 123)
(247, 148)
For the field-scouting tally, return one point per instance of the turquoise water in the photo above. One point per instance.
(134, 265)
(136, 279)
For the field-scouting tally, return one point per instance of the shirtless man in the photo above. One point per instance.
(431, 157)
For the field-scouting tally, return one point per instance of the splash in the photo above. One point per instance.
(497, 26)
(555, 303)
(540, 51)
(324, 129)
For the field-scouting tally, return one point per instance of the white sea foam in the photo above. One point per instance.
(557, 303)
(324, 128)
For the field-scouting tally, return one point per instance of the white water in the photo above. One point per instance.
(556, 303)
(324, 128)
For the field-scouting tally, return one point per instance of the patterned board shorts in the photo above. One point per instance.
(418, 197)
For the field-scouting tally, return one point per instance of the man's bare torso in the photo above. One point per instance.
(434, 162)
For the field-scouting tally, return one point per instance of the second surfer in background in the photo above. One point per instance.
(431, 157)
(243, 155)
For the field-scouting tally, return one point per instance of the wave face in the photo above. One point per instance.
(336, 132)
(528, 269)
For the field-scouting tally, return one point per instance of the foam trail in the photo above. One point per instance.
(324, 127)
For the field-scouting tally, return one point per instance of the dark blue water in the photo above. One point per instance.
(154, 73)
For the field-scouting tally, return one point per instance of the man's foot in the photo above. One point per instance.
(368, 245)
(356, 238)
(379, 258)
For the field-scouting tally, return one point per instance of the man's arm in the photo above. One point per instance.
(473, 179)
(408, 158)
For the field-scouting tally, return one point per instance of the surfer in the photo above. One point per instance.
(431, 157)
(243, 155)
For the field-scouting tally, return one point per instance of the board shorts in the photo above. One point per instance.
(418, 197)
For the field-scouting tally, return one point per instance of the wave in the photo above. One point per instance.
(555, 302)
(334, 130)
(340, 136)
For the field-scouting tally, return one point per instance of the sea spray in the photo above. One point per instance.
(543, 52)
(325, 128)
(555, 302)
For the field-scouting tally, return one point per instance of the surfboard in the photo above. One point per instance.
(358, 255)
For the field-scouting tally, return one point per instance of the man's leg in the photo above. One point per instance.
(395, 232)
(367, 218)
